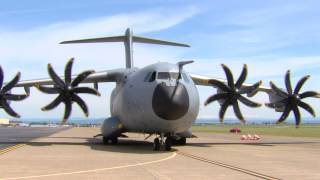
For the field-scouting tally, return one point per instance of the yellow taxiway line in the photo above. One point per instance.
(94, 170)
(11, 148)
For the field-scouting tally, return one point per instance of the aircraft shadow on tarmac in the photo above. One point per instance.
(140, 146)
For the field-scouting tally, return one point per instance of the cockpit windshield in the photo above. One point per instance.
(168, 75)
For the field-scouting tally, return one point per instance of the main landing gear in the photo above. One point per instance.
(158, 143)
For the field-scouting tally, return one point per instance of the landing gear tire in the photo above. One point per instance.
(114, 140)
(182, 141)
(107, 140)
(168, 144)
(156, 144)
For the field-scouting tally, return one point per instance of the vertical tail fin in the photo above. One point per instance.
(128, 40)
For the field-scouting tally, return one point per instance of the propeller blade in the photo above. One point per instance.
(53, 104)
(237, 111)
(309, 94)
(67, 111)
(216, 97)
(288, 82)
(82, 76)
(278, 91)
(1, 77)
(11, 84)
(81, 103)
(242, 76)
(248, 102)
(27, 90)
(223, 109)
(68, 73)
(300, 84)
(219, 84)
(15, 97)
(56, 79)
(85, 90)
(8, 109)
(297, 115)
(48, 90)
(306, 107)
(284, 115)
(229, 76)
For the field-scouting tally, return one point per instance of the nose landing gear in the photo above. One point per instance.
(110, 140)
(158, 143)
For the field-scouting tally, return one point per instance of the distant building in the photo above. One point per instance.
(15, 123)
(4, 122)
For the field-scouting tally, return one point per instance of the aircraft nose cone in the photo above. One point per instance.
(170, 102)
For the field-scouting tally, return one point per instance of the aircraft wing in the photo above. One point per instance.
(66, 88)
(204, 81)
(97, 77)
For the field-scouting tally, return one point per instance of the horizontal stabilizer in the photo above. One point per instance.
(128, 39)
(136, 39)
(96, 40)
(156, 41)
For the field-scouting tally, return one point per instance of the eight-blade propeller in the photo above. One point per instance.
(67, 90)
(292, 99)
(230, 93)
(6, 96)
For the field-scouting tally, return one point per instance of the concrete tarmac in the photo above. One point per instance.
(10, 136)
(75, 154)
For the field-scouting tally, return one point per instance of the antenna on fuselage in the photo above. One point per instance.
(128, 40)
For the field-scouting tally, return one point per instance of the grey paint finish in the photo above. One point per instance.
(132, 101)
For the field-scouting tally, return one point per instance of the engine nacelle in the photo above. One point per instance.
(273, 98)
(111, 127)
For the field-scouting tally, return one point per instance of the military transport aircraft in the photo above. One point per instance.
(160, 99)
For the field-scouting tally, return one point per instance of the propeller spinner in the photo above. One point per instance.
(67, 90)
(229, 94)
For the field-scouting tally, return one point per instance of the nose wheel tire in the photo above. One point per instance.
(107, 140)
(160, 144)
(182, 141)
(156, 144)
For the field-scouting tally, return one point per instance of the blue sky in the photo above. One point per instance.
(270, 37)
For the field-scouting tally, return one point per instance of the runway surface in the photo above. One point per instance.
(75, 154)
(10, 136)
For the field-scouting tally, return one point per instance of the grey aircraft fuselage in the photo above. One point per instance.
(151, 100)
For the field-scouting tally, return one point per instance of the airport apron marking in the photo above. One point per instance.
(246, 171)
(95, 170)
(11, 148)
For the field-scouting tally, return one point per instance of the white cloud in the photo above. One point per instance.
(31, 50)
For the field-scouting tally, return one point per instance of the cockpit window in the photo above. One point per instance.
(168, 75)
(152, 77)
